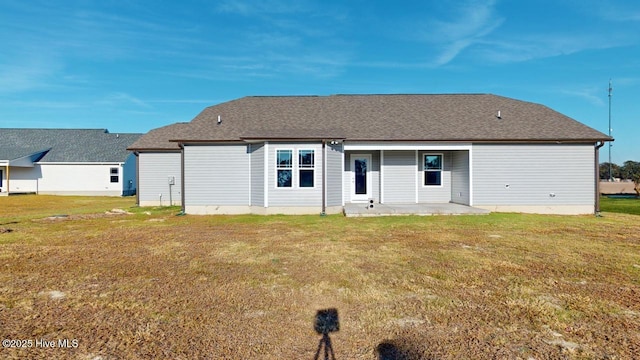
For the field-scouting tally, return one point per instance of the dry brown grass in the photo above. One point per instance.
(182, 287)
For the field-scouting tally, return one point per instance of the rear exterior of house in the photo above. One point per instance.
(306, 155)
(67, 162)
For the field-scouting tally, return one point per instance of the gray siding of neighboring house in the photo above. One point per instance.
(295, 196)
(460, 177)
(154, 170)
(257, 174)
(399, 177)
(435, 194)
(375, 174)
(217, 175)
(334, 175)
(528, 174)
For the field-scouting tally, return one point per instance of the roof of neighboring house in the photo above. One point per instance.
(453, 117)
(158, 139)
(65, 145)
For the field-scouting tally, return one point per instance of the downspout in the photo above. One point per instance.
(599, 144)
(8, 184)
(182, 178)
(324, 178)
(137, 177)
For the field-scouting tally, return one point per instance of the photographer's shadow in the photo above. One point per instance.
(326, 322)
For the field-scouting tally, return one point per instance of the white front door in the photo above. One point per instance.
(360, 177)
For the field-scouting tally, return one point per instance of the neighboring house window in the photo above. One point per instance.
(432, 169)
(306, 163)
(114, 175)
(284, 166)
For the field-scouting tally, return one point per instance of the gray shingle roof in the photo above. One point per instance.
(158, 139)
(66, 145)
(463, 117)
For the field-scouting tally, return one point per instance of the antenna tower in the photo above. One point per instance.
(610, 143)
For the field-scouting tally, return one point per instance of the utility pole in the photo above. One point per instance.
(610, 142)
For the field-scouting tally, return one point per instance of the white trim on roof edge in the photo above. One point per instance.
(405, 145)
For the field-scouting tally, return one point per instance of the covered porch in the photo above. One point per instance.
(407, 175)
(369, 210)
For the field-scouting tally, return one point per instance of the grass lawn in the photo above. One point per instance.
(625, 206)
(155, 285)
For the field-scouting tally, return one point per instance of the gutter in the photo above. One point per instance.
(137, 155)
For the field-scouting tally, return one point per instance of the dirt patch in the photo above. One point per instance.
(4, 230)
(64, 217)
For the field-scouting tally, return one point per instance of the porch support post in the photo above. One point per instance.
(182, 179)
(8, 188)
(416, 175)
(381, 176)
(266, 175)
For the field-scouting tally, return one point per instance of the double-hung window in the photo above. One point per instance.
(284, 168)
(298, 170)
(306, 163)
(432, 169)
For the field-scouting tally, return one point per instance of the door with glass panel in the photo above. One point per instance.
(360, 177)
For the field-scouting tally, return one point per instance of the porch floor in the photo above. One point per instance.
(363, 209)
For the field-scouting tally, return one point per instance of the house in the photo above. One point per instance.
(312, 154)
(67, 162)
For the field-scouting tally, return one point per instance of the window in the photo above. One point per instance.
(295, 171)
(306, 164)
(432, 169)
(284, 166)
(114, 175)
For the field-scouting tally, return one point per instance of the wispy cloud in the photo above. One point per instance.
(618, 12)
(592, 94)
(121, 98)
(254, 7)
(471, 22)
(536, 46)
(24, 74)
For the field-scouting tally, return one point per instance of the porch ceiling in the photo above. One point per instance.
(399, 145)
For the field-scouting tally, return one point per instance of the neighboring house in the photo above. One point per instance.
(312, 154)
(67, 162)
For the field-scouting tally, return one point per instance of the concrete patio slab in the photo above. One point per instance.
(364, 209)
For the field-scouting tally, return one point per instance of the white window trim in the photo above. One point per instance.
(297, 165)
(112, 174)
(423, 170)
(293, 161)
(295, 169)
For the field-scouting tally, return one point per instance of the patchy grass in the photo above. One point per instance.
(155, 285)
(624, 206)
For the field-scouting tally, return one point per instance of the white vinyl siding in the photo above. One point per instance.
(154, 170)
(532, 174)
(217, 175)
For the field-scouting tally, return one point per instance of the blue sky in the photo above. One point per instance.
(131, 66)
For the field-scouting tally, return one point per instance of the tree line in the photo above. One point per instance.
(630, 170)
